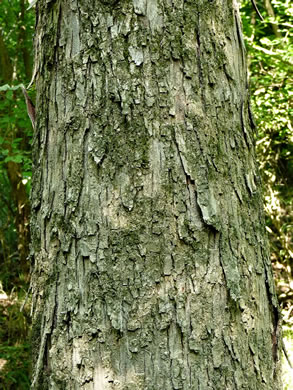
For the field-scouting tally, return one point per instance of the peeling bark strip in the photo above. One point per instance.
(151, 266)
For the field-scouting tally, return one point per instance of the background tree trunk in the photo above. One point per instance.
(151, 260)
(18, 190)
(21, 201)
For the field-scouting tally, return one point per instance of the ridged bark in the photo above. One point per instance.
(151, 265)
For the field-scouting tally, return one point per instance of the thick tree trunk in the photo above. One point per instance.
(151, 261)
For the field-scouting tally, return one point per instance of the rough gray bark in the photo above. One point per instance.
(151, 266)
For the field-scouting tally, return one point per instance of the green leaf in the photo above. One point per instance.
(7, 87)
(17, 159)
(9, 95)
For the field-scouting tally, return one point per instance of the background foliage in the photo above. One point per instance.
(16, 56)
(270, 58)
(269, 48)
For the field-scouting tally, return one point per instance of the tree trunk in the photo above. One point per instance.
(18, 190)
(151, 265)
(271, 13)
(22, 214)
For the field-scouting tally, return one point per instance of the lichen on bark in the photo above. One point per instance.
(151, 267)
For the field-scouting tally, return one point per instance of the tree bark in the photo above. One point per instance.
(151, 264)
